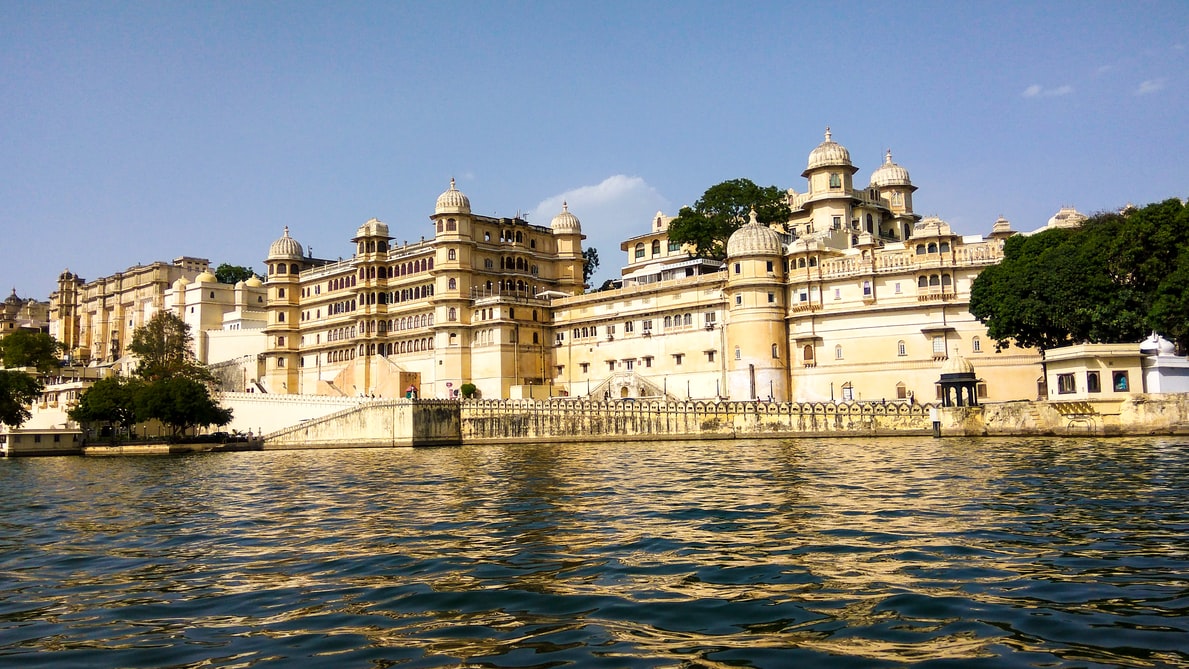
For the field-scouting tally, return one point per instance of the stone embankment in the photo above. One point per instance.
(397, 423)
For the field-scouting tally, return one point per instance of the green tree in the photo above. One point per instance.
(111, 400)
(226, 273)
(721, 210)
(26, 348)
(164, 348)
(17, 390)
(1116, 278)
(180, 403)
(468, 390)
(590, 262)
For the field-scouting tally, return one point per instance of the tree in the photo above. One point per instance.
(165, 349)
(721, 210)
(26, 348)
(17, 390)
(1116, 278)
(590, 262)
(181, 403)
(111, 400)
(468, 390)
(226, 273)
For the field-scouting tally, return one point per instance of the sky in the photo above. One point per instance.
(132, 132)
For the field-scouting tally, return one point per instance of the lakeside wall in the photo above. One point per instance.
(403, 423)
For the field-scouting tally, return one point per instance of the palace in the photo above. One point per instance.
(856, 297)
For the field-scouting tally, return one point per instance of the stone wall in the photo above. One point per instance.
(488, 421)
(376, 424)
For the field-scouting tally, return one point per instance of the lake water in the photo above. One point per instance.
(776, 553)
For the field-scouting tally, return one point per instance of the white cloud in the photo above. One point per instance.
(1150, 86)
(1038, 91)
(610, 211)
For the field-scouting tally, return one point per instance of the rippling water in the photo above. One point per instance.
(779, 553)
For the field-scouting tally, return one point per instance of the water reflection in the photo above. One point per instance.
(753, 553)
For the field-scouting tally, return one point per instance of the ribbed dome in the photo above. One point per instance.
(957, 365)
(565, 223)
(890, 174)
(453, 202)
(828, 154)
(753, 239)
(285, 247)
(66, 276)
(373, 228)
(13, 299)
(1067, 217)
(206, 277)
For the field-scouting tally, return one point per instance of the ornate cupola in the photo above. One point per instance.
(894, 186)
(567, 232)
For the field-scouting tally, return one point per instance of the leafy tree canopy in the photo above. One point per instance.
(180, 403)
(26, 348)
(590, 262)
(721, 210)
(17, 390)
(111, 400)
(164, 348)
(226, 273)
(1117, 278)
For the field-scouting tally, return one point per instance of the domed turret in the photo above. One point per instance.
(181, 283)
(565, 223)
(206, 277)
(253, 282)
(957, 365)
(753, 239)
(373, 228)
(828, 154)
(890, 174)
(286, 247)
(453, 202)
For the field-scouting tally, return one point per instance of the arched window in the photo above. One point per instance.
(946, 280)
(775, 351)
(293, 269)
(639, 250)
(656, 247)
(452, 314)
(452, 284)
(807, 352)
(451, 225)
(901, 348)
(738, 353)
(439, 226)
(835, 180)
(451, 255)
(901, 391)
(838, 352)
(976, 344)
(945, 247)
(932, 247)
(920, 249)
(923, 282)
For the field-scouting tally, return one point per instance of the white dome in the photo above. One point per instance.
(286, 247)
(753, 239)
(890, 174)
(373, 228)
(453, 202)
(565, 223)
(828, 154)
(957, 365)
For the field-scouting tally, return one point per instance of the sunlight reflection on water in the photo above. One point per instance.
(752, 553)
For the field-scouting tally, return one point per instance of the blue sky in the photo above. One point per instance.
(133, 132)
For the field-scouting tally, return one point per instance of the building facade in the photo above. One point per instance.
(855, 297)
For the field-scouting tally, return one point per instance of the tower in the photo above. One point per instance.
(285, 261)
(756, 355)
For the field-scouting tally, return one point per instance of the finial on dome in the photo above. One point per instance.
(565, 206)
(888, 158)
(452, 184)
(286, 231)
(828, 133)
(754, 220)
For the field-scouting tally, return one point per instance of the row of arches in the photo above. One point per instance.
(339, 334)
(933, 247)
(398, 347)
(373, 246)
(393, 271)
(397, 324)
(930, 280)
(341, 283)
(283, 268)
